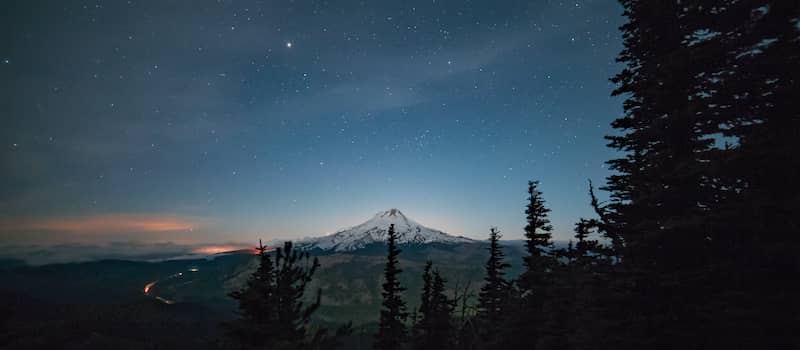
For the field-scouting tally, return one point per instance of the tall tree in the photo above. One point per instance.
(421, 323)
(435, 327)
(391, 329)
(257, 306)
(292, 277)
(693, 213)
(538, 234)
(525, 316)
(275, 312)
(493, 293)
(661, 191)
(749, 96)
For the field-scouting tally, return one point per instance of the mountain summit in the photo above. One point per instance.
(375, 230)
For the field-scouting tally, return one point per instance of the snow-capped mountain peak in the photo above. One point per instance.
(375, 230)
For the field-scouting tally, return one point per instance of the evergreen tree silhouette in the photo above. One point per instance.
(524, 318)
(435, 329)
(693, 214)
(257, 306)
(538, 234)
(750, 98)
(423, 318)
(391, 329)
(494, 292)
(274, 311)
(660, 193)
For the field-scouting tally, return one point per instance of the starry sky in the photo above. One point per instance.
(229, 121)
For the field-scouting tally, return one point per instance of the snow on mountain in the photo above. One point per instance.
(376, 229)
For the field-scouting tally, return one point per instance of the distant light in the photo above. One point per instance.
(289, 44)
(149, 287)
(194, 269)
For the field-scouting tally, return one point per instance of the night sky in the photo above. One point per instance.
(227, 121)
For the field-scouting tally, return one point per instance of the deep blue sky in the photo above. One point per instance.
(225, 121)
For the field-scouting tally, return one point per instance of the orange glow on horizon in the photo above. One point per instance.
(103, 224)
(216, 249)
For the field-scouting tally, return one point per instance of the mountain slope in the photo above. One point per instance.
(375, 230)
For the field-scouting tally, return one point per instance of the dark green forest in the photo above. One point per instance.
(695, 248)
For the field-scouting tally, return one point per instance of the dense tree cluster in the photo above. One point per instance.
(274, 312)
(695, 248)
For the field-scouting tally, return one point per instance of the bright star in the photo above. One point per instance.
(289, 44)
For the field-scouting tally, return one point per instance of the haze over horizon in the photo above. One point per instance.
(231, 121)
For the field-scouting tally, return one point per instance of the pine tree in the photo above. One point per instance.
(661, 193)
(292, 277)
(274, 311)
(538, 234)
(525, 318)
(435, 329)
(493, 294)
(421, 321)
(538, 228)
(692, 214)
(750, 97)
(442, 331)
(257, 305)
(391, 329)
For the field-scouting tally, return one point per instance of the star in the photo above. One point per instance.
(289, 44)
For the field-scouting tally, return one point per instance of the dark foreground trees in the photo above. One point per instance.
(435, 329)
(697, 246)
(275, 313)
(702, 198)
(494, 294)
(392, 329)
(699, 238)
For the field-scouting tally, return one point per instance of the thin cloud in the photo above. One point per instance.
(98, 224)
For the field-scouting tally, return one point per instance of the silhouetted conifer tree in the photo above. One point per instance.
(493, 295)
(525, 318)
(693, 214)
(391, 329)
(274, 311)
(435, 329)
(257, 305)
(661, 193)
(748, 95)
(538, 234)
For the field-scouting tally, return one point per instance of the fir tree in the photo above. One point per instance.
(660, 193)
(538, 234)
(494, 291)
(292, 277)
(421, 323)
(435, 327)
(391, 329)
(274, 311)
(525, 317)
(257, 306)
(441, 335)
(748, 95)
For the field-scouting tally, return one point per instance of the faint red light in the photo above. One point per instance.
(148, 287)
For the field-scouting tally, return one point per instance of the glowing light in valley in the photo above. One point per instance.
(217, 249)
(148, 287)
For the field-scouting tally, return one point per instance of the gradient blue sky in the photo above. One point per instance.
(196, 121)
